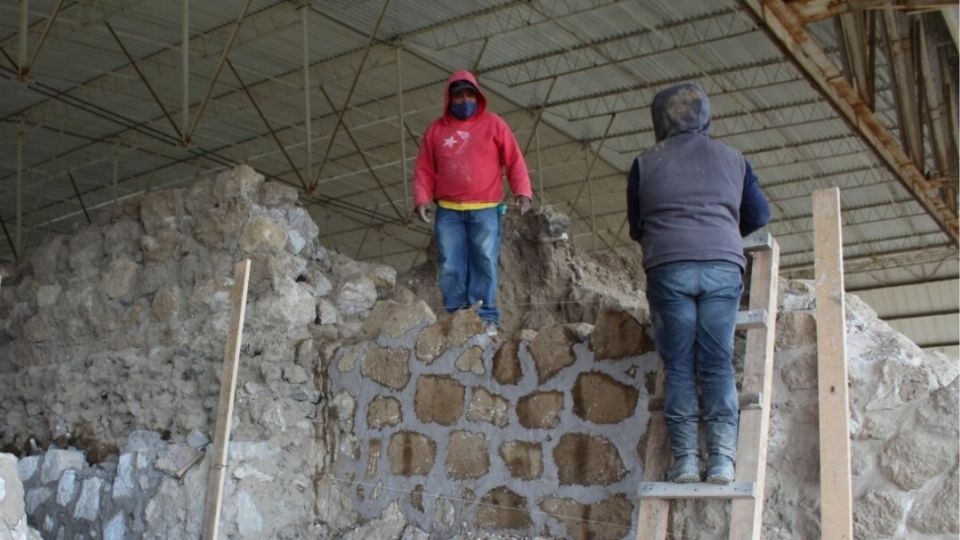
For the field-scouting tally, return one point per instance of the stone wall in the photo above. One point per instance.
(362, 414)
(466, 432)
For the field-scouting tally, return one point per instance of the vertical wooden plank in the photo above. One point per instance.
(228, 386)
(652, 518)
(836, 514)
(746, 516)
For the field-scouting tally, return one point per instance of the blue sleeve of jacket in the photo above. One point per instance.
(754, 211)
(633, 189)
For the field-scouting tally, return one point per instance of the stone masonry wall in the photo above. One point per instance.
(465, 432)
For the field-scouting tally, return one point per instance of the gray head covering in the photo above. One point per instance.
(682, 108)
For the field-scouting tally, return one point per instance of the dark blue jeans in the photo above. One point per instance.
(694, 308)
(468, 242)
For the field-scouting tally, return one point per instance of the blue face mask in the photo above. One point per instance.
(463, 110)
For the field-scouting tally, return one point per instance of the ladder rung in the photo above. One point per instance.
(697, 490)
(755, 318)
(758, 241)
(750, 400)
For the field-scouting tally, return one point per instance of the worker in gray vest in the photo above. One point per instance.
(690, 200)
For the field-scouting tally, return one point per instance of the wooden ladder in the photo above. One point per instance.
(746, 492)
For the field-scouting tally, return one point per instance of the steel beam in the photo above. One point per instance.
(216, 72)
(596, 155)
(266, 123)
(536, 120)
(366, 162)
(76, 191)
(787, 30)
(307, 115)
(143, 78)
(25, 69)
(346, 102)
(882, 260)
(185, 73)
(935, 114)
(22, 41)
(902, 73)
(19, 217)
(403, 136)
(815, 10)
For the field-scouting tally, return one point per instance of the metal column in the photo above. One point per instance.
(403, 138)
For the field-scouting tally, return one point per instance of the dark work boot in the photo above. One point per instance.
(685, 469)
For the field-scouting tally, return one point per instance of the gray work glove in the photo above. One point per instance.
(423, 212)
(522, 202)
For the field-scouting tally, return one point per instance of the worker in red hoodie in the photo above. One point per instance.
(460, 166)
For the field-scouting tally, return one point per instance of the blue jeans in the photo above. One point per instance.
(694, 308)
(468, 242)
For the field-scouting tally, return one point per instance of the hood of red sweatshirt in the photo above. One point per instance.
(462, 75)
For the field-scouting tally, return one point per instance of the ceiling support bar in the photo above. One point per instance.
(902, 73)
(79, 197)
(185, 72)
(43, 38)
(536, 120)
(346, 102)
(22, 40)
(266, 123)
(216, 73)
(787, 30)
(596, 154)
(19, 217)
(366, 162)
(143, 78)
(308, 143)
(934, 110)
(403, 136)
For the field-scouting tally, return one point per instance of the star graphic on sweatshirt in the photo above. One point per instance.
(449, 142)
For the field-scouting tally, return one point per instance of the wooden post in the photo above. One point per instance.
(836, 503)
(228, 386)
(652, 519)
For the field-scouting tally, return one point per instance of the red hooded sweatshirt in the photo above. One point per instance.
(461, 160)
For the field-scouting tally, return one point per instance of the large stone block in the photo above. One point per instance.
(278, 194)
(487, 407)
(618, 335)
(540, 410)
(241, 182)
(384, 411)
(587, 460)
(471, 360)
(56, 461)
(119, 278)
(438, 399)
(263, 235)
(503, 509)
(552, 350)
(467, 455)
(161, 210)
(609, 519)
(88, 505)
(395, 319)
(11, 493)
(86, 250)
(448, 332)
(356, 296)
(940, 411)
(796, 329)
(411, 453)
(523, 459)
(389, 367)
(166, 303)
(913, 458)
(506, 363)
(373, 458)
(877, 515)
(936, 512)
(601, 399)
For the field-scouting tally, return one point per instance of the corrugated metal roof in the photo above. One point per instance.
(582, 61)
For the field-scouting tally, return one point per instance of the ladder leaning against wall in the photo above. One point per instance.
(746, 491)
